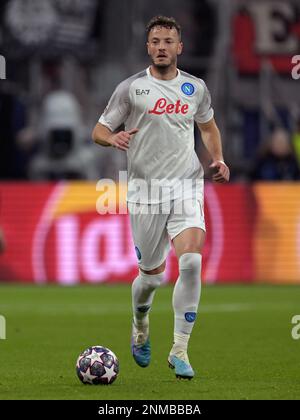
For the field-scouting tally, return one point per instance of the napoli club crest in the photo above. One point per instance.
(188, 89)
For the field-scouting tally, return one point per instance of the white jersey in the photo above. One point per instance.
(162, 153)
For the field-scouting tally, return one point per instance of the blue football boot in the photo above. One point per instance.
(183, 369)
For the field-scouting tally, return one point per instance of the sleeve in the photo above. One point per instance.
(205, 111)
(118, 107)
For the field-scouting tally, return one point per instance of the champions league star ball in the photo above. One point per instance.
(97, 365)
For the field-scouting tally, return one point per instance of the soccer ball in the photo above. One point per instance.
(97, 365)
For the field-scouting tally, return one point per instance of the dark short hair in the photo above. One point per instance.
(166, 22)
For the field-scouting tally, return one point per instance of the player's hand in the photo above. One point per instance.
(221, 171)
(121, 140)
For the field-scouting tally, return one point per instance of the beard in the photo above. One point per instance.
(162, 66)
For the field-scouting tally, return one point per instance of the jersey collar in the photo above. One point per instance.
(164, 82)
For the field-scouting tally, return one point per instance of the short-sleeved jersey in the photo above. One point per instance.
(162, 153)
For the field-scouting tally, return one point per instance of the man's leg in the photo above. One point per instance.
(186, 296)
(143, 291)
(151, 241)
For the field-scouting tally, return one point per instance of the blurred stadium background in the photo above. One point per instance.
(62, 60)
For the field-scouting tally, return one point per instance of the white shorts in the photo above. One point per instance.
(154, 225)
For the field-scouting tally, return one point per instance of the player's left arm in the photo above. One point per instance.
(211, 138)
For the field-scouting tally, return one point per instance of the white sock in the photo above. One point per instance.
(181, 341)
(186, 295)
(180, 346)
(143, 291)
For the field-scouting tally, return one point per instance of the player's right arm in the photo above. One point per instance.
(115, 114)
(105, 137)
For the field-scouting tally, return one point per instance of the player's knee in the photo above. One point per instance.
(152, 280)
(191, 261)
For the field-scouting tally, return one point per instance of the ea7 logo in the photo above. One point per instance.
(2, 67)
(296, 328)
(296, 69)
(2, 328)
(142, 91)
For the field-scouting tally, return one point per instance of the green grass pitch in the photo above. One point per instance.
(241, 347)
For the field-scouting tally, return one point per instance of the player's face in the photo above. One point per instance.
(164, 46)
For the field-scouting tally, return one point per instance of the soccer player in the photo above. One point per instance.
(165, 181)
